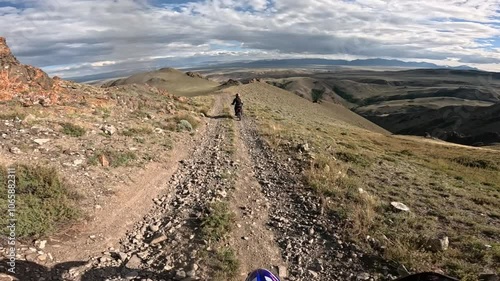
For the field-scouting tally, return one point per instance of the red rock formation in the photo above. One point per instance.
(28, 84)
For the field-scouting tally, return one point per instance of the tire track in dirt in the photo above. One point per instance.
(308, 237)
(252, 240)
(167, 244)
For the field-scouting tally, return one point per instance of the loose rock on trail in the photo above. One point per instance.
(280, 223)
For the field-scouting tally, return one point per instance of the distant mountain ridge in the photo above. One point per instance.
(278, 63)
(358, 62)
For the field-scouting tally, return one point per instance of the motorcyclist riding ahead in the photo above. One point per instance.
(238, 105)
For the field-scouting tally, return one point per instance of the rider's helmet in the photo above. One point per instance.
(261, 275)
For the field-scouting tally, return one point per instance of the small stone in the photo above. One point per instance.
(400, 206)
(159, 239)
(180, 274)
(304, 147)
(134, 262)
(42, 244)
(103, 160)
(42, 257)
(245, 238)
(438, 244)
(41, 141)
(154, 228)
(15, 150)
(282, 271)
(109, 129)
(92, 236)
(313, 273)
(191, 273)
(311, 231)
(194, 267)
(78, 162)
(363, 276)
(122, 256)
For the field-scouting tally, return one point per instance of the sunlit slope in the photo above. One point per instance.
(174, 81)
(296, 108)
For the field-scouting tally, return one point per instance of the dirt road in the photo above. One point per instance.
(279, 223)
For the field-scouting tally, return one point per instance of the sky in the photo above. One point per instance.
(72, 38)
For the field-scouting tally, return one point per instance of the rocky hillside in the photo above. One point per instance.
(18, 81)
(30, 85)
(79, 152)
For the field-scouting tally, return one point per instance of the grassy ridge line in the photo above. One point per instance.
(452, 191)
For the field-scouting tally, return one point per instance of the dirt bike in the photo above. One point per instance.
(263, 274)
(239, 111)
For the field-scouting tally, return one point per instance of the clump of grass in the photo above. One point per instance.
(406, 152)
(317, 95)
(167, 143)
(476, 163)
(44, 201)
(350, 157)
(184, 125)
(12, 115)
(189, 118)
(116, 158)
(357, 205)
(103, 111)
(72, 129)
(226, 264)
(218, 223)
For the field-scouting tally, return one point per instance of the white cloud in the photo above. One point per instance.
(102, 63)
(86, 32)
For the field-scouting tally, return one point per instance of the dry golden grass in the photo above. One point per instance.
(451, 190)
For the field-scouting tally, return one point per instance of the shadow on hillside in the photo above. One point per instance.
(222, 116)
(30, 271)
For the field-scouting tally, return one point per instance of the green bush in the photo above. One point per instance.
(43, 201)
(184, 125)
(226, 264)
(476, 163)
(72, 130)
(317, 95)
(189, 118)
(219, 222)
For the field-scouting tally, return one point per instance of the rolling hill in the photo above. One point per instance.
(174, 81)
(453, 105)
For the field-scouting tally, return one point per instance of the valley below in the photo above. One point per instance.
(459, 106)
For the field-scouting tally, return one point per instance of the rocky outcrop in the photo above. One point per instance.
(6, 57)
(194, 75)
(26, 83)
(231, 82)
